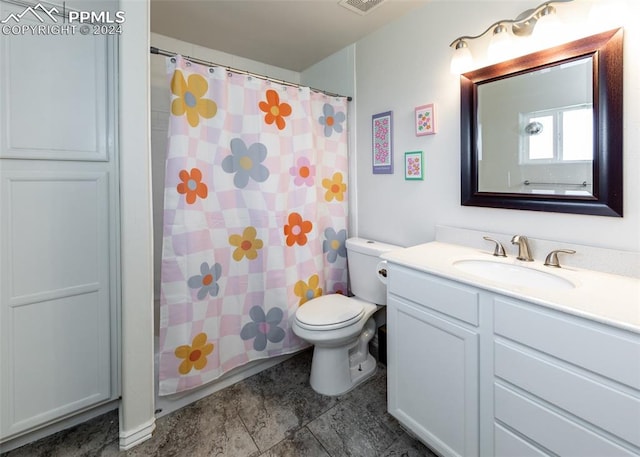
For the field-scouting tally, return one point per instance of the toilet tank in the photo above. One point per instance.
(363, 256)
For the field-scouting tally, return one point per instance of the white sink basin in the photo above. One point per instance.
(511, 274)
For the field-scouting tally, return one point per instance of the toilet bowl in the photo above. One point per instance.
(340, 327)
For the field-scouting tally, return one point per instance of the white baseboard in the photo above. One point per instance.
(131, 438)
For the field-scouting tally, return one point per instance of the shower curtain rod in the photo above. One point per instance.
(162, 52)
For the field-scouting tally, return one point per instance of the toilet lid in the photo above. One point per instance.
(335, 311)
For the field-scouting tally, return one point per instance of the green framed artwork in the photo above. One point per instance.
(413, 165)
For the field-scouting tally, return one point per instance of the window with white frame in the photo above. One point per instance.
(558, 135)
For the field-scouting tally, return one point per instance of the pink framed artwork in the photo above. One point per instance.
(426, 119)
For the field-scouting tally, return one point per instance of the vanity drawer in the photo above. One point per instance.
(605, 350)
(612, 410)
(439, 294)
(508, 444)
(551, 430)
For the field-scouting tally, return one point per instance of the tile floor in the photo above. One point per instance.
(272, 414)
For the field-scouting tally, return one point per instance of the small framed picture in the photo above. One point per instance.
(426, 119)
(413, 165)
(382, 142)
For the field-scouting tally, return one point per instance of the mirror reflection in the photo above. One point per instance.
(536, 131)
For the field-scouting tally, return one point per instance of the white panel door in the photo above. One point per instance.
(58, 226)
(53, 102)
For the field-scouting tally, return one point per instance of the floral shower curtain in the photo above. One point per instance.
(254, 220)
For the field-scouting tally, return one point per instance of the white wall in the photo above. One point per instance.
(137, 419)
(336, 74)
(406, 64)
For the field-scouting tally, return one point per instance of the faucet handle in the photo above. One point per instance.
(552, 258)
(499, 249)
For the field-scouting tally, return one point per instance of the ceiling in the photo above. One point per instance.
(291, 34)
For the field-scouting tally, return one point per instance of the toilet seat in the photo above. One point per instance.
(329, 312)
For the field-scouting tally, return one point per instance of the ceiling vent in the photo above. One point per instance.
(361, 7)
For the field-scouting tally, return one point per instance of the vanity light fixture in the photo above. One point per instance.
(542, 18)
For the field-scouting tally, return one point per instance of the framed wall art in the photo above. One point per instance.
(382, 142)
(425, 119)
(413, 166)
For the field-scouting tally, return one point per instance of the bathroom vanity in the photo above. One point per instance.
(493, 356)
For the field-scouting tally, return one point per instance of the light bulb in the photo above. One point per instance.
(461, 61)
(500, 47)
(547, 27)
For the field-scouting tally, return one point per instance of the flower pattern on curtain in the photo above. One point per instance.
(254, 220)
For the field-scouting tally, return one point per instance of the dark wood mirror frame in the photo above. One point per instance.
(606, 51)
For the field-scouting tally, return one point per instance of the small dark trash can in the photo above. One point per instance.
(382, 344)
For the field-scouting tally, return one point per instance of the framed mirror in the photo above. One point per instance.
(544, 131)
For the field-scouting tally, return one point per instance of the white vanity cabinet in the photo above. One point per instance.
(433, 360)
(475, 372)
(563, 385)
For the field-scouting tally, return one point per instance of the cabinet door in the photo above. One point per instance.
(58, 225)
(433, 378)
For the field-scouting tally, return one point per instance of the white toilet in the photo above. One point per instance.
(341, 327)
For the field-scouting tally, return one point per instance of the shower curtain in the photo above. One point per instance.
(254, 220)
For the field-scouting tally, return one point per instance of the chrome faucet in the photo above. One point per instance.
(524, 253)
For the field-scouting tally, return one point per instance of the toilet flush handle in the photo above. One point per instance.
(382, 271)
